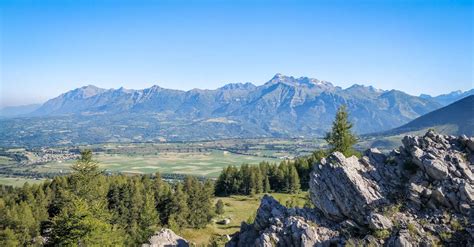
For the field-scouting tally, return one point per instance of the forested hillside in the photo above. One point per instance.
(91, 208)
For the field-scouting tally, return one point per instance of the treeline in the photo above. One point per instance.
(89, 208)
(290, 176)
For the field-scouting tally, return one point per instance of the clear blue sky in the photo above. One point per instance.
(49, 47)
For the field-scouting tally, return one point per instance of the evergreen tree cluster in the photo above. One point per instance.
(289, 176)
(262, 178)
(88, 208)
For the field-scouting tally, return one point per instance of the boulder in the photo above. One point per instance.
(379, 222)
(403, 239)
(166, 238)
(435, 169)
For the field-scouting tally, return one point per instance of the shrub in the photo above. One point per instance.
(219, 207)
(381, 234)
(445, 235)
(392, 210)
(456, 225)
(412, 229)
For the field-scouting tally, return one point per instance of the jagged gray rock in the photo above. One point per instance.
(166, 238)
(379, 222)
(445, 177)
(431, 176)
(339, 189)
(276, 225)
(421, 194)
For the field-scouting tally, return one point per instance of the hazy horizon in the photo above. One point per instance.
(56, 46)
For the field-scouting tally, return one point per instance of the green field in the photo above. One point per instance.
(18, 182)
(208, 164)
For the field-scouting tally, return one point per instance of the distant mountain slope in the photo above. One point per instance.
(283, 105)
(446, 99)
(15, 111)
(456, 118)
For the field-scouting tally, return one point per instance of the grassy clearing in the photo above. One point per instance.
(237, 209)
(18, 182)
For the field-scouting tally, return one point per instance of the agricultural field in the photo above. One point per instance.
(208, 164)
(201, 158)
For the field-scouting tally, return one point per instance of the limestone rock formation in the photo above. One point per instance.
(166, 238)
(276, 225)
(421, 194)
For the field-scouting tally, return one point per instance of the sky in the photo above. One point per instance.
(50, 47)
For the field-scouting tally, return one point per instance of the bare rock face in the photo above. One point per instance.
(166, 238)
(276, 225)
(427, 183)
(340, 189)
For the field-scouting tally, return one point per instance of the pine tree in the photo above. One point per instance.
(78, 224)
(267, 187)
(294, 184)
(304, 169)
(85, 182)
(149, 219)
(177, 209)
(341, 138)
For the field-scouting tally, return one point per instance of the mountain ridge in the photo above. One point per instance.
(285, 106)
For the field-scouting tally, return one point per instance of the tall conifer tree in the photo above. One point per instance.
(341, 138)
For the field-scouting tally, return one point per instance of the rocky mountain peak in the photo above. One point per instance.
(86, 91)
(234, 86)
(301, 81)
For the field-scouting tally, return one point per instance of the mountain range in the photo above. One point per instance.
(285, 106)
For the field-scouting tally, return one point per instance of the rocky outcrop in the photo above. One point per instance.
(276, 225)
(444, 176)
(166, 238)
(341, 189)
(421, 194)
